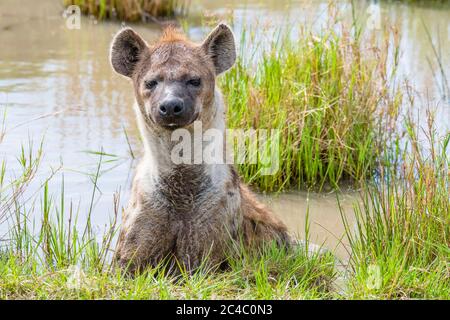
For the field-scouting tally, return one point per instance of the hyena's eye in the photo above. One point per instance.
(195, 82)
(151, 84)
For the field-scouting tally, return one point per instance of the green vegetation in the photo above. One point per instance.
(403, 223)
(130, 10)
(328, 97)
(422, 2)
(303, 280)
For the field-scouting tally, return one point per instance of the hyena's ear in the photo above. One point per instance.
(126, 49)
(220, 46)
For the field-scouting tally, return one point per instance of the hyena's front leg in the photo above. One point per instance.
(144, 240)
(200, 244)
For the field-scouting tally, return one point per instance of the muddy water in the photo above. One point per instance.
(57, 83)
(323, 214)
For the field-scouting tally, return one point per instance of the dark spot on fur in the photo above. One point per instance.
(235, 179)
(132, 238)
(254, 226)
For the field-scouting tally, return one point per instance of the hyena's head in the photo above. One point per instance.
(174, 79)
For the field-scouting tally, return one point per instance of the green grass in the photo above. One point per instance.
(421, 2)
(328, 97)
(130, 10)
(403, 224)
(71, 283)
(276, 274)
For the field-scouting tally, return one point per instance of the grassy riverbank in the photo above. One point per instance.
(61, 275)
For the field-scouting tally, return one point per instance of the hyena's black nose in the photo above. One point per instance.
(171, 108)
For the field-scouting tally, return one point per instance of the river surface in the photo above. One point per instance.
(57, 84)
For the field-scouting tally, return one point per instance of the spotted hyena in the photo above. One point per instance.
(184, 212)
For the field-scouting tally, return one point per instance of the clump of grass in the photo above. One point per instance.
(421, 2)
(285, 274)
(131, 10)
(327, 95)
(401, 248)
(274, 275)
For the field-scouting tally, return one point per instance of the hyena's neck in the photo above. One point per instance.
(158, 161)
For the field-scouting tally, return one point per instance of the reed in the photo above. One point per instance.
(131, 10)
(327, 95)
(401, 245)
